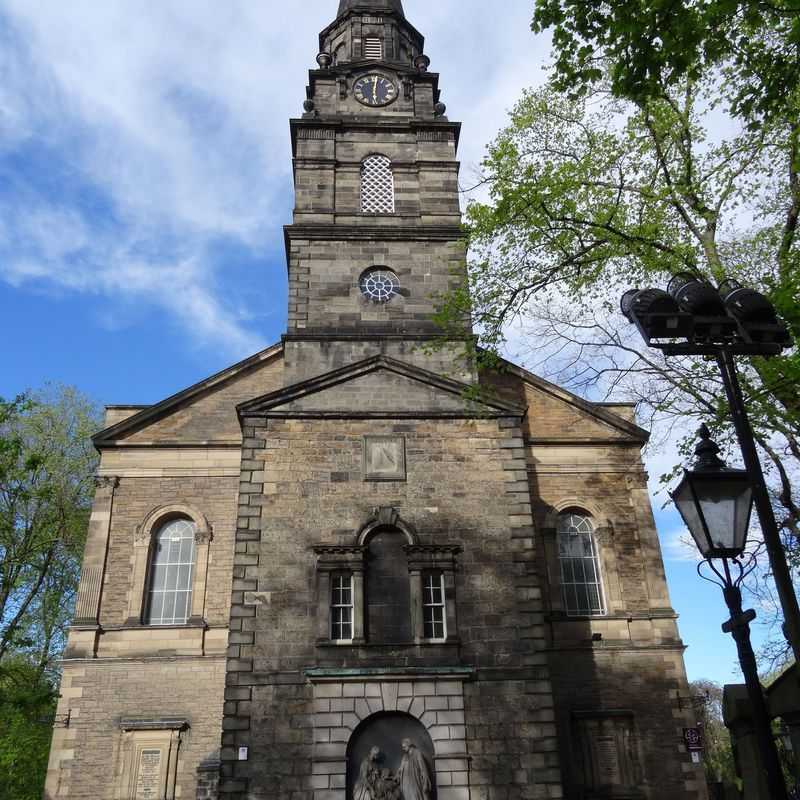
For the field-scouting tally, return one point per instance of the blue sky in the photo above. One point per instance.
(145, 175)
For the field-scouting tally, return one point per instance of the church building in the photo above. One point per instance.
(335, 571)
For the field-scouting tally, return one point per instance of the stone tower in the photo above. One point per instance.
(376, 199)
(329, 572)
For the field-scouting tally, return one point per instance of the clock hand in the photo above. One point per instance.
(375, 88)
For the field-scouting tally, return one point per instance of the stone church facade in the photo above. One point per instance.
(330, 572)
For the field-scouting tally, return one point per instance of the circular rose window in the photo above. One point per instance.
(379, 284)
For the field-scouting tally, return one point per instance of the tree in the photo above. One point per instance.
(47, 465)
(718, 760)
(651, 46)
(592, 192)
(27, 706)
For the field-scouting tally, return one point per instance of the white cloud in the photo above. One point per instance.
(173, 115)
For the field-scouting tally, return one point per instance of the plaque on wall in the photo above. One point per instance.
(148, 778)
(384, 458)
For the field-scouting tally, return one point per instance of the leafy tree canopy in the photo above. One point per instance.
(648, 46)
(47, 465)
(640, 170)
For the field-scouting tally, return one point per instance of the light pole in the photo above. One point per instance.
(715, 502)
(694, 318)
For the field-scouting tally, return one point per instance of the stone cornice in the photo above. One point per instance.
(374, 124)
(371, 233)
(321, 674)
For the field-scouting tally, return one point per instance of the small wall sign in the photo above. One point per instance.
(693, 739)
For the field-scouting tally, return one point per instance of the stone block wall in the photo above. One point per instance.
(86, 760)
(324, 288)
(647, 681)
(327, 175)
(134, 500)
(303, 485)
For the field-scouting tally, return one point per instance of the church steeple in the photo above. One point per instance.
(375, 6)
(375, 30)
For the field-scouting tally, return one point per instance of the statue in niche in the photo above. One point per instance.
(368, 777)
(413, 775)
(375, 780)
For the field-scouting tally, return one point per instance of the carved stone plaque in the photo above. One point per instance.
(384, 458)
(608, 761)
(148, 780)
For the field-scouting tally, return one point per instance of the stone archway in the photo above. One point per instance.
(386, 731)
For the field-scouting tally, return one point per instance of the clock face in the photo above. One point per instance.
(374, 90)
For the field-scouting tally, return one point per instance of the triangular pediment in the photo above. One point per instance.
(204, 413)
(378, 387)
(556, 415)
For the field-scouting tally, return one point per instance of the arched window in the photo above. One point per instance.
(377, 185)
(169, 600)
(581, 584)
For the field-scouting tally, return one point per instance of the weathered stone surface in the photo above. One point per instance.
(288, 497)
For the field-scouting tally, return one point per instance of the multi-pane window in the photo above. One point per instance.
(581, 585)
(377, 185)
(433, 606)
(373, 48)
(341, 607)
(171, 574)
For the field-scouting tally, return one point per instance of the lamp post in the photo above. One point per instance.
(694, 318)
(715, 502)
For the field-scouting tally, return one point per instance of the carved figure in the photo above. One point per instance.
(368, 784)
(413, 775)
(389, 788)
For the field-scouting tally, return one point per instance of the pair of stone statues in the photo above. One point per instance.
(412, 781)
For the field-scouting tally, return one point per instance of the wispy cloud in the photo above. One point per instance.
(138, 140)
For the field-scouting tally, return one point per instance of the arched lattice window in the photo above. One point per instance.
(581, 584)
(377, 186)
(169, 600)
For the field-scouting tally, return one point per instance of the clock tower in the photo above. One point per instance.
(376, 234)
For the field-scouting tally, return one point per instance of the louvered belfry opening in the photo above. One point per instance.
(377, 186)
(373, 48)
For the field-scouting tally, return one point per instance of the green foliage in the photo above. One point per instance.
(643, 48)
(47, 465)
(641, 159)
(27, 706)
(718, 760)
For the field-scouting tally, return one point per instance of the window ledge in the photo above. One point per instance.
(451, 642)
(134, 625)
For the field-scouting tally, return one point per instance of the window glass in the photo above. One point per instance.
(341, 607)
(171, 571)
(433, 606)
(581, 584)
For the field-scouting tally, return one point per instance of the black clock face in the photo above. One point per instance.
(374, 90)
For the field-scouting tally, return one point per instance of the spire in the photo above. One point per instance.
(371, 5)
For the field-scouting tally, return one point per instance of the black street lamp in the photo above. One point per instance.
(694, 318)
(715, 502)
